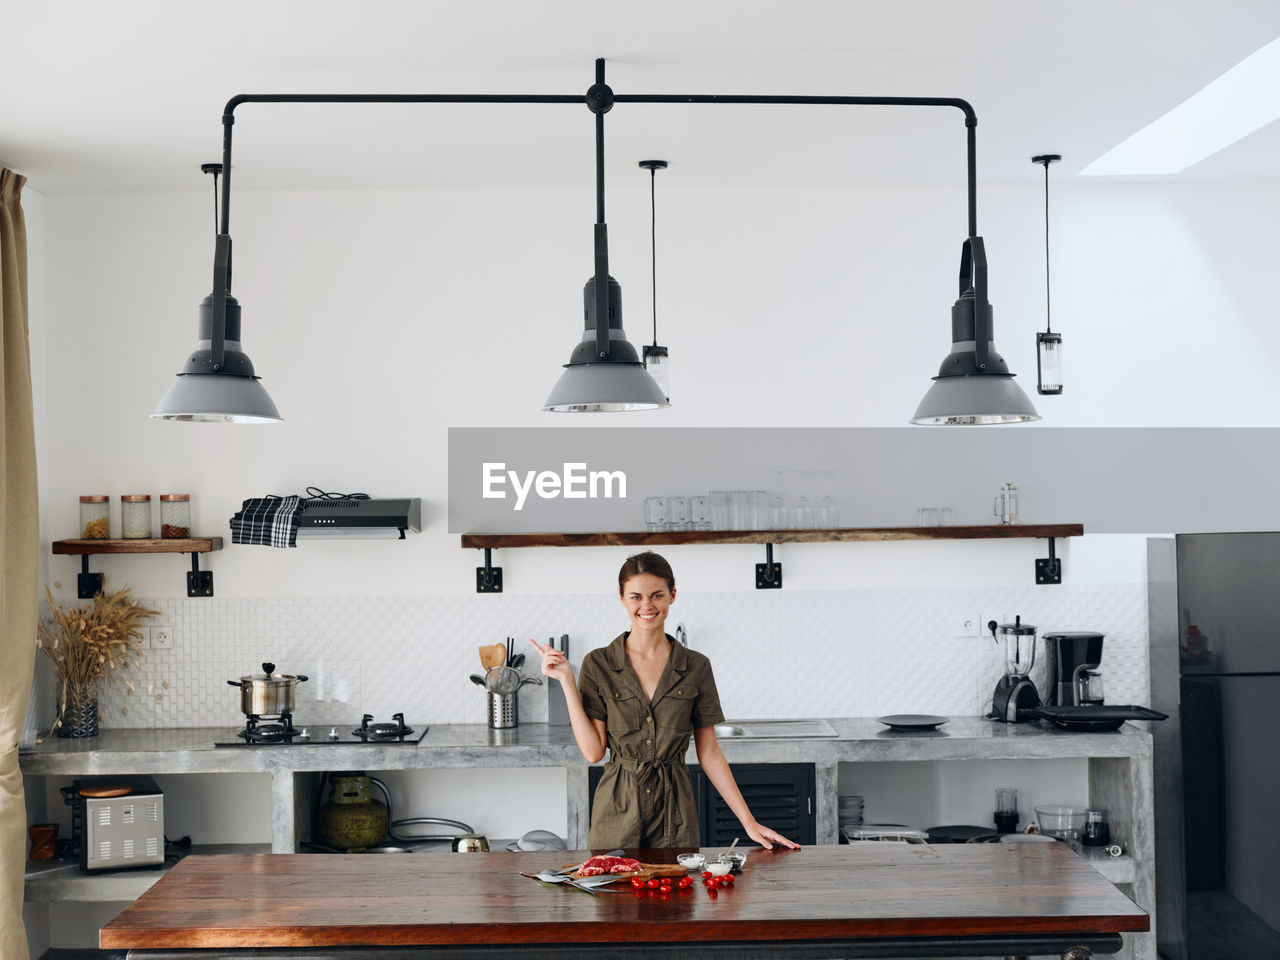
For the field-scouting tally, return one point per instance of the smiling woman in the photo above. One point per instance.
(642, 697)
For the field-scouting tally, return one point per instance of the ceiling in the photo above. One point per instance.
(128, 95)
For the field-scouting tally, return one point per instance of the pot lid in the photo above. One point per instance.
(267, 675)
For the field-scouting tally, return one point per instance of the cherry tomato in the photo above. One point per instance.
(652, 884)
(707, 874)
(685, 882)
(665, 885)
(726, 880)
(637, 883)
(713, 883)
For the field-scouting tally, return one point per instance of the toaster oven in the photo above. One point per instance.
(116, 823)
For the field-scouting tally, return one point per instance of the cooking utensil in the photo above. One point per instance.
(265, 695)
(524, 680)
(501, 680)
(516, 662)
(477, 679)
(492, 655)
(510, 652)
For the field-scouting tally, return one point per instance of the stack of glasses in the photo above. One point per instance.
(740, 510)
(849, 813)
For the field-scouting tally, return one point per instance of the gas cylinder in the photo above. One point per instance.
(352, 819)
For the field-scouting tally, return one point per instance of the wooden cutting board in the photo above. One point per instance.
(647, 871)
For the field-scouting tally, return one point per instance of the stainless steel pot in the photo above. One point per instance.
(265, 695)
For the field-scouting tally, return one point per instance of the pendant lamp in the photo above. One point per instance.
(217, 384)
(1048, 344)
(656, 358)
(973, 385)
(604, 372)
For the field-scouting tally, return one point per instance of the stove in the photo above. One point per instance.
(282, 732)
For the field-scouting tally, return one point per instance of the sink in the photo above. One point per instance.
(774, 729)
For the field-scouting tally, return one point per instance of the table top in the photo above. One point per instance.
(854, 891)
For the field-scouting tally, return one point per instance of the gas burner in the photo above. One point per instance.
(277, 730)
(382, 731)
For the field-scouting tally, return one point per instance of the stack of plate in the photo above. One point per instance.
(850, 813)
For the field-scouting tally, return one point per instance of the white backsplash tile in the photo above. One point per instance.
(776, 654)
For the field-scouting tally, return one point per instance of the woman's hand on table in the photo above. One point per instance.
(767, 837)
(554, 662)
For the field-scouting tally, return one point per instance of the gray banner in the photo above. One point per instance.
(1123, 480)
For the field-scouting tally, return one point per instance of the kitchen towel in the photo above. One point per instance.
(268, 521)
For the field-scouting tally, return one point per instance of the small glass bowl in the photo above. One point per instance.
(691, 861)
(719, 868)
(734, 859)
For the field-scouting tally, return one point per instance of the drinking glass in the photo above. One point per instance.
(699, 513)
(655, 513)
(677, 513)
(720, 503)
(927, 517)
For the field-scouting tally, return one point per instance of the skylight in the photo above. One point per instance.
(1242, 100)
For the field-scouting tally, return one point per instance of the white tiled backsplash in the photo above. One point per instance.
(776, 654)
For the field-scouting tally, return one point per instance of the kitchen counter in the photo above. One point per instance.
(824, 902)
(1119, 769)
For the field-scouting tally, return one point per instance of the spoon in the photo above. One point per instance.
(477, 679)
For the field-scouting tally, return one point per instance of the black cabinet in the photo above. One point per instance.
(780, 796)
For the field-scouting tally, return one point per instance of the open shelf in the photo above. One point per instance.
(172, 545)
(643, 538)
(88, 585)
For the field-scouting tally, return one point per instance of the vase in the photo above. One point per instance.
(80, 718)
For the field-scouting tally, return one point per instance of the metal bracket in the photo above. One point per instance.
(199, 582)
(1049, 570)
(88, 585)
(488, 577)
(768, 574)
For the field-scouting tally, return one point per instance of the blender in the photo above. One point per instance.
(1015, 693)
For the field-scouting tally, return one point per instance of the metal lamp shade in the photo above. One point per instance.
(974, 400)
(216, 398)
(604, 388)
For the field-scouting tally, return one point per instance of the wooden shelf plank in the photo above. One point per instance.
(183, 545)
(642, 538)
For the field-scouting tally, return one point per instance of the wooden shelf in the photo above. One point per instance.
(641, 538)
(199, 582)
(183, 545)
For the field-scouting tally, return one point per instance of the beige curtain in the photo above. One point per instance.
(19, 543)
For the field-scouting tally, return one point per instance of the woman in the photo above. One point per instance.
(642, 697)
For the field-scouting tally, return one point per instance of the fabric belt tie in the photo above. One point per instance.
(659, 774)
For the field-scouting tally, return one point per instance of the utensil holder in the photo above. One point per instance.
(504, 711)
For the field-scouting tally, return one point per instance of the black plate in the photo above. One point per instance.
(1093, 719)
(912, 721)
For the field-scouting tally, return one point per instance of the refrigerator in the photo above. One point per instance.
(1228, 657)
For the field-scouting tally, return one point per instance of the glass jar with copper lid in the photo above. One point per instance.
(135, 516)
(175, 515)
(95, 518)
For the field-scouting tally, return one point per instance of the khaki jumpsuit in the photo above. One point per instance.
(645, 798)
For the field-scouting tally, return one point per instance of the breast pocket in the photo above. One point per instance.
(624, 713)
(674, 711)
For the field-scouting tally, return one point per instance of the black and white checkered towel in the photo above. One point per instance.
(268, 521)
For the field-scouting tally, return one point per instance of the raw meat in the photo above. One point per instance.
(598, 866)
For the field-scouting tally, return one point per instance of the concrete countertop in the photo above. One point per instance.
(458, 746)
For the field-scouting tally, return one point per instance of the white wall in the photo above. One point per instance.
(378, 319)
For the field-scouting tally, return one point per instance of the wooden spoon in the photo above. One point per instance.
(493, 655)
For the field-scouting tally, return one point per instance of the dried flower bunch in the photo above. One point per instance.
(89, 643)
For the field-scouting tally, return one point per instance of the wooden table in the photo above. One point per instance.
(858, 900)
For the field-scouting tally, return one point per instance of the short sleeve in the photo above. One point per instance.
(706, 710)
(589, 687)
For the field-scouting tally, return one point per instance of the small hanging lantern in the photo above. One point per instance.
(1048, 343)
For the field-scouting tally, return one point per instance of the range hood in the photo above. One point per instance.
(359, 519)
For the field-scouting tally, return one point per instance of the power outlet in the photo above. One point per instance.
(162, 637)
(968, 627)
(144, 641)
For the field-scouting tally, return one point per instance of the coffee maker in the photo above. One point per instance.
(1015, 693)
(1071, 658)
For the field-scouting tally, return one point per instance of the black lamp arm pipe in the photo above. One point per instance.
(221, 285)
(599, 100)
(973, 274)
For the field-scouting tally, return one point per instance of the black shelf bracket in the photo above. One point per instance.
(88, 585)
(1049, 570)
(768, 574)
(488, 577)
(199, 582)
